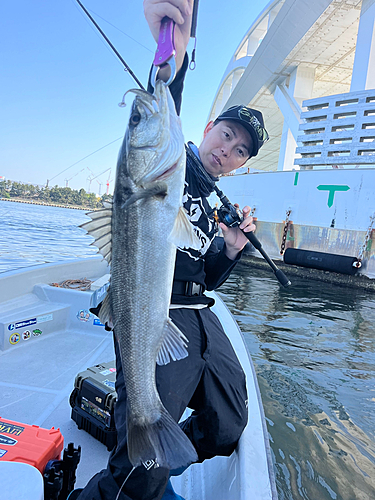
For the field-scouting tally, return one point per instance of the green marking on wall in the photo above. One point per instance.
(296, 178)
(331, 191)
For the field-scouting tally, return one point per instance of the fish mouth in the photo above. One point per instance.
(147, 99)
(165, 143)
(151, 101)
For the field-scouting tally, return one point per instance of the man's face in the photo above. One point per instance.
(225, 147)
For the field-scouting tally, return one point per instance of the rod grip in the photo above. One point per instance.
(283, 280)
(253, 240)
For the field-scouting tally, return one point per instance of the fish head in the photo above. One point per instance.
(154, 139)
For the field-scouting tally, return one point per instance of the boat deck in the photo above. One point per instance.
(47, 337)
(37, 377)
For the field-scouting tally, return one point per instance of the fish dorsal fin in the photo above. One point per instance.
(174, 346)
(100, 228)
(182, 234)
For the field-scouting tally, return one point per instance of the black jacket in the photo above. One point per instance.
(208, 266)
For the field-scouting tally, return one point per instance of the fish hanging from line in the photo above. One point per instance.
(138, 234)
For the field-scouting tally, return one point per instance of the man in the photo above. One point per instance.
(210, 380)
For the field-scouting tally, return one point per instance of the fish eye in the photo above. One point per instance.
(135, 119)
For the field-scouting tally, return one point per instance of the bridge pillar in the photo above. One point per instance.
(363, 76)
(301, 83)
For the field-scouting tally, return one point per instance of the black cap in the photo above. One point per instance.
(253, 122)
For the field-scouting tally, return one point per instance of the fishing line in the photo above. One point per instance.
(127, 68)
(123, 484)
(123, 32)
(84, 159)
(87, 21)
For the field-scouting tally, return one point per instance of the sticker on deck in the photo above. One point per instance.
(24, 324)
(83, 315)
(2, 453)
(14, 338)
(43, 319)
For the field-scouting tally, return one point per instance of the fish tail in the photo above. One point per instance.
(163, 442)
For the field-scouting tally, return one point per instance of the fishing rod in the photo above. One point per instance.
(127, 68)
(228, 214)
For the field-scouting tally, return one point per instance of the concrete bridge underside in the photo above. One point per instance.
(294, 51)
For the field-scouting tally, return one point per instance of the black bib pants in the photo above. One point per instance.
(210, 381)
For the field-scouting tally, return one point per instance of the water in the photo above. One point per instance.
(312, 346)
(34, 234)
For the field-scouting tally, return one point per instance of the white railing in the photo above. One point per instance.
(338, 130)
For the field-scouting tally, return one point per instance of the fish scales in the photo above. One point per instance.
(140, 298)
(147, 222)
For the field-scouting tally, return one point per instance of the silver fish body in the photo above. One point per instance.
(146, 222)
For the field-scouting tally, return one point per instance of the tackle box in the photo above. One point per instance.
(29, 444)
(93, 401)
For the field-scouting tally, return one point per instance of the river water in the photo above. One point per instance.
(312, 345)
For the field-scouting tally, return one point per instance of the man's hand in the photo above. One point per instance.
(180, 11)
(234, 238)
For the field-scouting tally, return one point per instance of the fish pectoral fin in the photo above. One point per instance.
(182, 234)
(155, 189)
(174, 346)
(105, 312)
(100, 228)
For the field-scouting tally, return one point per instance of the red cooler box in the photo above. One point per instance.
(29, 444)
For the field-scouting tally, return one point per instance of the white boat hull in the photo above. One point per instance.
(331, 211)
(247, 474)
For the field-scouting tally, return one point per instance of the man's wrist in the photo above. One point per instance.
(231, 252)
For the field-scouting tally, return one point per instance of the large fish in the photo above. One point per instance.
(138, 236)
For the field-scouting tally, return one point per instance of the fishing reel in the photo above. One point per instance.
(229, 215)
(232, 217)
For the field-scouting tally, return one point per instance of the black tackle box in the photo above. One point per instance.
(93, 401)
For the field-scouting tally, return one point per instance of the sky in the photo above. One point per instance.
(60, 83)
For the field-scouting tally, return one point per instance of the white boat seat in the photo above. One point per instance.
(20, 481)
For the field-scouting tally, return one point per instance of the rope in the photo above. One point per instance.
(82, 284)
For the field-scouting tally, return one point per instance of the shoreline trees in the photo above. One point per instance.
(54, 195)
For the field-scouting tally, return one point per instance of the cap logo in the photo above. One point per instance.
(246, 112)
(246, 115)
